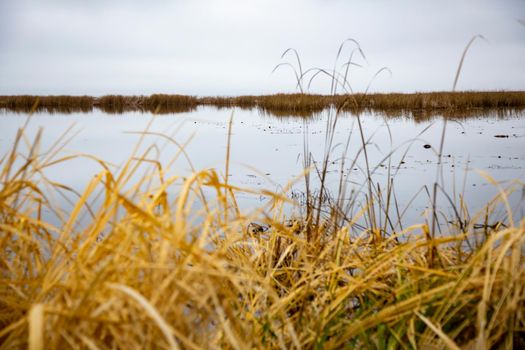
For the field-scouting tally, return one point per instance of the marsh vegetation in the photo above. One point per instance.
(144, 269)
(144, 256)
(298, 104)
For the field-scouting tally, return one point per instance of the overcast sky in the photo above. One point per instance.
(229, 47)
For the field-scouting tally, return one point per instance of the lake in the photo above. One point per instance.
(267, 152)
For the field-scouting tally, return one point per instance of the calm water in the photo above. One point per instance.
(267, 152)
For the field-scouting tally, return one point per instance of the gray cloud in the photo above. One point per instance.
(209, 47)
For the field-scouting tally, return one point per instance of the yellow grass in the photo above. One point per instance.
(145, 269)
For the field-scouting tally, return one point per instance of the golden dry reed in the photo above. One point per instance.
(145, 259)
(298, 104)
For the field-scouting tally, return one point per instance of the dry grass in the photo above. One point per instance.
(50, 104)
(145, 269)
(158, 103)
(438, 101)
(434, 103)
(145, 259)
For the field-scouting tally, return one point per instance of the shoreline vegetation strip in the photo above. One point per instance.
(297, 104)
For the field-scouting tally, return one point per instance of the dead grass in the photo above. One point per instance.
(434, 103)
(440, 100)
(50, 104)
(158, 103)
(154, 263)
(145, 271)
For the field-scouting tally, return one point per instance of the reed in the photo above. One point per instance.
(299, 104)
(145, 259)
(51, 104)
(154, 104)
(440, 100)
(168, 103)
(117, 104)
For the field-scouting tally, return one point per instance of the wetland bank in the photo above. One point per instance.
(235, 217)
(452, 104)
(104, 235)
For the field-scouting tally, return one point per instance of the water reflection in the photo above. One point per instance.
(109, 109)
(268, 151)
(418, 115)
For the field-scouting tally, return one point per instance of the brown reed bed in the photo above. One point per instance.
(51, 104)
(157, 103)
(436, 100)
(146, 271)
(436, 103)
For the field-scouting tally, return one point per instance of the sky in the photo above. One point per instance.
(230, 47)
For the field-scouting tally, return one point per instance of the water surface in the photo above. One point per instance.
(268, 152)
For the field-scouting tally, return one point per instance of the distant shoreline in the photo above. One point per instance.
(281, 104)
